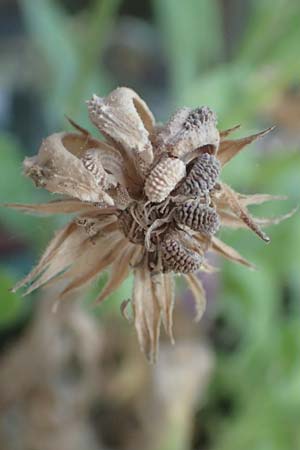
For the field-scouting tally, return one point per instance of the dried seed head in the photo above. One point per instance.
(187, 130)
(177, 258)
(202, 176)
(198, 217)
(163, 178)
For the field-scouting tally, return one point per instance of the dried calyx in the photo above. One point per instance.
(148, 198)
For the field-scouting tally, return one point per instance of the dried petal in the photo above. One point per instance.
(119, 271)
(59, 170)
(163, 285)
(65, 206)
(257, 199)
(146, 310)
(163, 178)
(230, 253)
(227, 132)
(199, 294)
(93, 262)
(235, 205)
(124, 119)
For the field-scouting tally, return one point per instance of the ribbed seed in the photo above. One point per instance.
(177, 258)
(163, 178)
(91, 161)
(198, 217)
(202, 176)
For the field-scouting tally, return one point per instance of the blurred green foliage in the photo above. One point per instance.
(261, 376)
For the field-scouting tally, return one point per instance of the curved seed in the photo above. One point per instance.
(202, 177)
(198, 217)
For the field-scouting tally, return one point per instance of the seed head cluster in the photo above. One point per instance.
(147, 199)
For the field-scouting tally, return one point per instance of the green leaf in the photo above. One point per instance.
(12, 306)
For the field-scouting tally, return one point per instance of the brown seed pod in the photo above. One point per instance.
(198, 217)
(177, 258)
(163, 178)
(202, 176)
(187, 130)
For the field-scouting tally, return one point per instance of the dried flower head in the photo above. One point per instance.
(148, 199)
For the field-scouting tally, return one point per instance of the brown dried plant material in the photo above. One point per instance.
(147, 199)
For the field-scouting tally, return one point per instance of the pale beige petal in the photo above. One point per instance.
(258, 199)
(57, 167)
(208, 268)
(124, 119)
(51, 250)
(119, 271)
(198, 291)
(68, 252)
(231, 221)
(229, 131)
(230, 253)
(228, 149)
(237, 208)
(124, 309)
(164, 289)
(187, 130)
(146, 311)
(64, 206)
(93, 262)
(266, 221)
(65, 249)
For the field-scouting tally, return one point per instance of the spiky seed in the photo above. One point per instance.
(163, 178)
(202, 176)
(198, 217)
(177, 258)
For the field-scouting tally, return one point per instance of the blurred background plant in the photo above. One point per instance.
(232, 381)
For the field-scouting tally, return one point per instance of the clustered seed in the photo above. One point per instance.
(198, 217)
(202, 177)
(178, 205)
(177, 258)
(198, 117)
